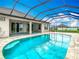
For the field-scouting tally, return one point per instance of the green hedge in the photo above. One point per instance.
(71, 31)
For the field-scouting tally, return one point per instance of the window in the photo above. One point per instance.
(46, 26)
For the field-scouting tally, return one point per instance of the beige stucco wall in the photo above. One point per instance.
(4, 25)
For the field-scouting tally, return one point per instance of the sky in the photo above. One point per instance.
(66, 21)
(47, 9)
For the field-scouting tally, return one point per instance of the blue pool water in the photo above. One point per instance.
(47, 46)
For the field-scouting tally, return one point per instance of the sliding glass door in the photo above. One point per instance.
(13, 28)
(19, 28)
(16, 27)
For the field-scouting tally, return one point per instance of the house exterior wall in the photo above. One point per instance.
(4, 26)
(25, 27)
(42, 28)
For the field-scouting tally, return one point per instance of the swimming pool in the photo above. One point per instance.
(47, 46)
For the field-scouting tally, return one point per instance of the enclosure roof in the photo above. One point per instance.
(41, 10)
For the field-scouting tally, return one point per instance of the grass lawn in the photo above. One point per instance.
(70, 31)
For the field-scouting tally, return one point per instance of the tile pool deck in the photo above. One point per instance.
(73, 50)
